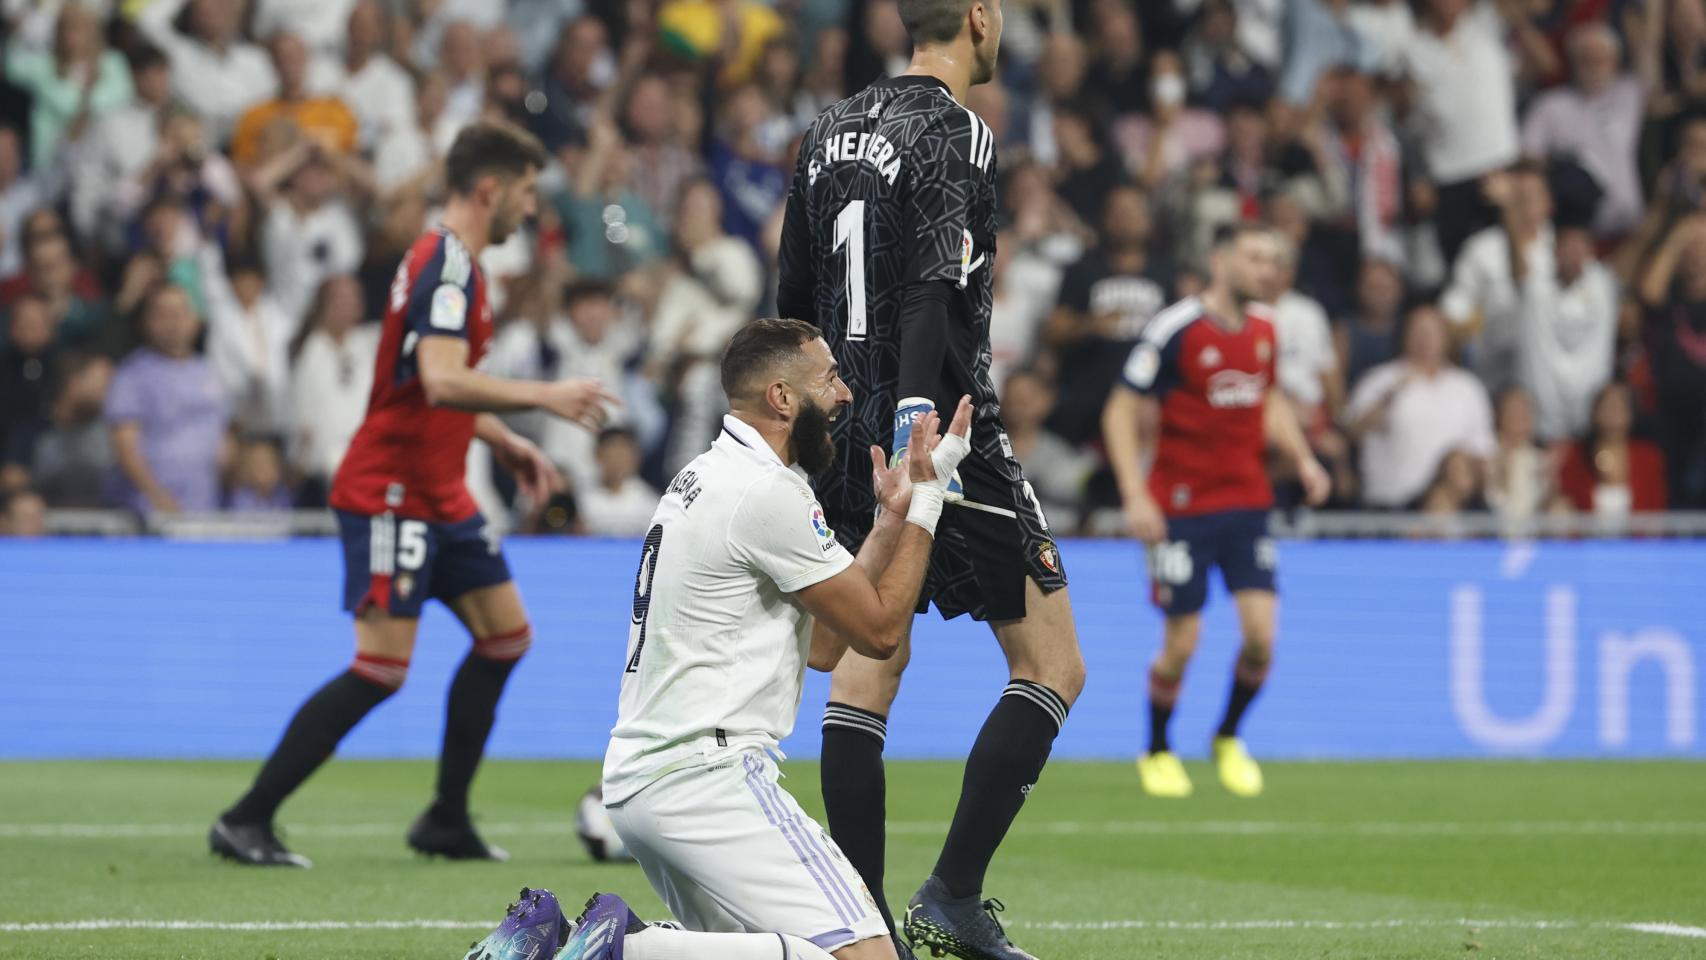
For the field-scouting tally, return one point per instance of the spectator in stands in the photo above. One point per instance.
(19, 194)
(324, 25)
(1673, 293)
(462, 61)
(310, 230)
(1117, 79)
(1521, 476)
(1596, 121)
(1089, 169)
(72, 299)
(1409, 413)
(746, 162)
(1369, 336)
(381, 93)
(1307, 368)
(580, 68)
(29, 369)
(323, 119)
(259, 483)
(70, 86)
(1485, 297)
(1386, 27)
(1456, 487)
(248, 342)
(188, 170)
(26, 515)
(1174, 136)
(1567, 339)
(1464, 84)
(118, 147)
(1609, 472)
(168, 413)
(620, 504)
(1105, 300)
(1057, 470)
(1362, 153)
(1044, 239)
(1221, 71)
(611, 228)
(330, 380)
(662, 159)
(74, 457)
(214, 70)
(713, 284)
(1060, 78)
(1319, 37)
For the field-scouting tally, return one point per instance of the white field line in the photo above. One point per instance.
(1494, 828)
(1660, 929)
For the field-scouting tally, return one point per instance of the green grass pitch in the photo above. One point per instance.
(1337, 860)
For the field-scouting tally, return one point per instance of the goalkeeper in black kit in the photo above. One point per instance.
(888, 246)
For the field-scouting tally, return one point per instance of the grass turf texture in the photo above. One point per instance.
(1560, 855)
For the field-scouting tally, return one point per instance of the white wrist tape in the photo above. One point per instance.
(926, 508)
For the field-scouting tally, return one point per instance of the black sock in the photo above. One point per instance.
(468, 717)
(1247, 680)
(319, 725)
(1163, 695)
(855, 792)
(1004, 765)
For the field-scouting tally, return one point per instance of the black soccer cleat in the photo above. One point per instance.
(452, 841)
(252, 844)
(963, 927)
(902, 949)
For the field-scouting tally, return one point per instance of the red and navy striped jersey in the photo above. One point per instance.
(409, 457)
(1213, 383)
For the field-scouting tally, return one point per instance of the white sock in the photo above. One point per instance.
(667, 943)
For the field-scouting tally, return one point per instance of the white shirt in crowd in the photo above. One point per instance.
(1466, 95)
(1601, 133)
(118, 148)
(321, 24)
(1429, 418)
(328, 397)
(1566, 346)
(249, 347)
(717, 651)
(1483, 295)
(17, 202)
(217, 85)
(1387, 26)
(380, 94)
(623, 512)
(1306, 353)
(303, 248)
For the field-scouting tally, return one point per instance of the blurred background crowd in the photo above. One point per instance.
(1495, 301)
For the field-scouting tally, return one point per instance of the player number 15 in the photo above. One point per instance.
(850, 233)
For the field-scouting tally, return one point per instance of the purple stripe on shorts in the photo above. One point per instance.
(807, 860)
(814, 842)
(833, 940)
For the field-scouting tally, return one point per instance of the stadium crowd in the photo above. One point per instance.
(1493, 214)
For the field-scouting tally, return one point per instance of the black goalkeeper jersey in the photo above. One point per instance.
(894, 186)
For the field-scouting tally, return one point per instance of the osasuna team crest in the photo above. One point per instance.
(1050, 557)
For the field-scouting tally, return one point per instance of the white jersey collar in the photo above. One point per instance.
(736, 430)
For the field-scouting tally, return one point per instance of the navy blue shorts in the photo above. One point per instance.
(395, 563)
(1236, 541)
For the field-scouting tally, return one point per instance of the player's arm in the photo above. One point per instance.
(1279, 420)
(534, 472)
(871, 614)
(894, 497)
(796, 280)
(1129, 422)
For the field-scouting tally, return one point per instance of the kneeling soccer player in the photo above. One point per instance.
(737, 564)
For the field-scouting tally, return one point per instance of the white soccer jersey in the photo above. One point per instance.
(717, 647)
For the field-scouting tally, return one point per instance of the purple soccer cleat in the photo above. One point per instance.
(533, 929)
(600, 929)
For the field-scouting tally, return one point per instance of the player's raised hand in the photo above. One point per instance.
(580, 400)
(945, 452)
(893, 486)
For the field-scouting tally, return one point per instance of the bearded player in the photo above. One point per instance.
(888, 244)
(409, 526)
(1208, 363)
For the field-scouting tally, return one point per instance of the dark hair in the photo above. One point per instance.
(576, 291)
(933, 21)
(758, 347)
(487, 147)
(1228, 234)
(147, 56)
(609, 434)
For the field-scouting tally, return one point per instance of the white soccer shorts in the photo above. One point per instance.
(730, 851)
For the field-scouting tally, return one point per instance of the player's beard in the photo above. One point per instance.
(814, 448)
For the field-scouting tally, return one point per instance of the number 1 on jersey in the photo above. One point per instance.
(850, 233)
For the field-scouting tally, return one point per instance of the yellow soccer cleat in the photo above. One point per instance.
(1239, 774)
(1162, 775)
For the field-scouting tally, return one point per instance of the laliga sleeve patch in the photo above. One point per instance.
(1142, 366)
(820, 525)
(449, 308)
